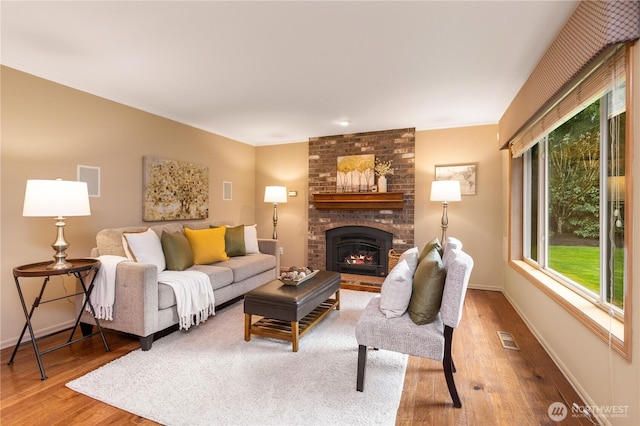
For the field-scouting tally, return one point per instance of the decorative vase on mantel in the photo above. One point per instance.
(382, 184)
(382, 169)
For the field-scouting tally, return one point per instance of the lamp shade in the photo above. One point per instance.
(445, 190)
(275, 194)
(55, 198)
(616, 188)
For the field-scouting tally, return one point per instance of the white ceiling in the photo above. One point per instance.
(276, 72)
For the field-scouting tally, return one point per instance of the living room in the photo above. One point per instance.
(48, 129)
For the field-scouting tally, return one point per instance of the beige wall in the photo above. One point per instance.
(476, 219)
(47, 130)
(286, 165)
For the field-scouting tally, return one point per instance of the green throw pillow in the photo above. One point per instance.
(234, 241)
(435, 243)
(428, 286)
(177, 251)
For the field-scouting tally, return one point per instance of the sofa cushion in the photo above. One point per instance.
(395, 293)
(167, 227)
(219, 277)
(247, 266)
(251, 239)
(109, 241)
(207, 245)
(166, 296)
(144, 247)
(177, 251)
(428, 285)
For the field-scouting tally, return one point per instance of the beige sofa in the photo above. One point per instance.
(144, 307)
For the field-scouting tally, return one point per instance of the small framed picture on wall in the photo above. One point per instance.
(463, 173)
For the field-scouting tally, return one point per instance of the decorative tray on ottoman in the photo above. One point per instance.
(297, 276)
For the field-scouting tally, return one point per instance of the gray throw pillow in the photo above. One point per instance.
(177, 251)
(428, 286)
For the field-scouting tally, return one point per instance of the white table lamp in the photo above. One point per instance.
(275, 195)
(59, 199)
(445, 191)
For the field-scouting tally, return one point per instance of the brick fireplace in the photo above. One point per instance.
(395, 145)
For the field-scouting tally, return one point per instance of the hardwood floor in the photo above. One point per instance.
(497, 386)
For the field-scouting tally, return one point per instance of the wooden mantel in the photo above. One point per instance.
(359, 201)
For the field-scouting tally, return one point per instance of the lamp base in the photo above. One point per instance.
(444, 223)
(275, 221)
(60, 245)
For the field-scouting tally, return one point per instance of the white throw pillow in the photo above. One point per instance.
(396, 290)
(251, 239)
(144, 247)
(411, 256)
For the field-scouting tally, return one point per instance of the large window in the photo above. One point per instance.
(574, 198)
(570, 223)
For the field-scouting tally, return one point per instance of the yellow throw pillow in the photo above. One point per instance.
(207, 245)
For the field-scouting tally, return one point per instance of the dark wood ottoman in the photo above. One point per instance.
(288, 311)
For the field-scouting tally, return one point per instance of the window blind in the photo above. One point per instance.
(603, 77)
(586, 38)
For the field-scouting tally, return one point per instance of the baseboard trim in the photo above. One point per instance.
(485, 287)
(42, 332)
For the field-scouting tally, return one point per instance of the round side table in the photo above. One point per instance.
(81, 269)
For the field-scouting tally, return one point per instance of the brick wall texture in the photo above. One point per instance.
(395, 145)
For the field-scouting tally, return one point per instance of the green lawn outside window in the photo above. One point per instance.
(581, 264)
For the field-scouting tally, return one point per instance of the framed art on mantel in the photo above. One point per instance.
(174, 190)
(464, 173)
(355, 173)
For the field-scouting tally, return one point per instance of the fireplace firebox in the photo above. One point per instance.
(360, 250)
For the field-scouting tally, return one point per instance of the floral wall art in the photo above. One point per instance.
(355, 173)
(174, 190)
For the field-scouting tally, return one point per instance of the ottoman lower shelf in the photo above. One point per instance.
(290, 331)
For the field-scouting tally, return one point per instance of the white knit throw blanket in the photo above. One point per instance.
(194, 295)
(103, 294)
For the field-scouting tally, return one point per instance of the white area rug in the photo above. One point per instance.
(211, 376)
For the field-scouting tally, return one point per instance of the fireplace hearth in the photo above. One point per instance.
(360, 250)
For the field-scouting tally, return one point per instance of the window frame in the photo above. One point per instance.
(615, 330)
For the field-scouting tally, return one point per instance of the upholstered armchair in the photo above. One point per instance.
(432, 340)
